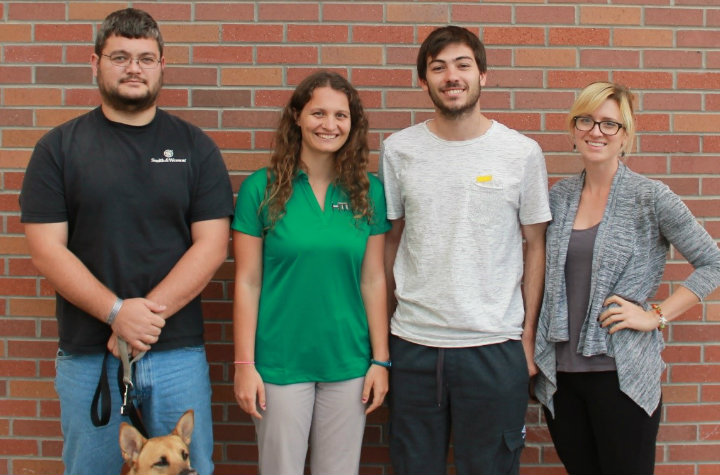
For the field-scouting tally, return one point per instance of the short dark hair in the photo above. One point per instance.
(128, 23)
(447, 35)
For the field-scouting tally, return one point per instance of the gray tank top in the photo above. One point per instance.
(578, 270)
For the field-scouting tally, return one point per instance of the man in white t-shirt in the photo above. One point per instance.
(462, 191)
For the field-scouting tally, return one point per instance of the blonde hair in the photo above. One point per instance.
(593, 96)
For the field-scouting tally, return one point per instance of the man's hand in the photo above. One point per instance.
(138, 323)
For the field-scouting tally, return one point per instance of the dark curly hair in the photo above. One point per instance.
(351, 160)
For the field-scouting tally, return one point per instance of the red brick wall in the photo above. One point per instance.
(232, 64)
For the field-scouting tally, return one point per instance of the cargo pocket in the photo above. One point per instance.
(509, 453)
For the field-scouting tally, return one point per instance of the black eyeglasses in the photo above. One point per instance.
(608, 127)
(123, 61)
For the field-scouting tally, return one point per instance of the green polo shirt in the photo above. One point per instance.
(312, 324)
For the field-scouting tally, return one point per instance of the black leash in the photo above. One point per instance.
(125, 386)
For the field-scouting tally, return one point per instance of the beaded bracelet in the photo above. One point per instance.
(385, 364)
(662, 321)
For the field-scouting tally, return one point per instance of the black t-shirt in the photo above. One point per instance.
(129, 195)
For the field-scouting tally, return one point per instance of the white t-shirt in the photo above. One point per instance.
(459, 265)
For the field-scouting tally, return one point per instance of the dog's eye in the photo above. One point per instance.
(163, 462)
(185, 455)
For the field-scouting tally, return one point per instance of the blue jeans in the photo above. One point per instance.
(167, 383)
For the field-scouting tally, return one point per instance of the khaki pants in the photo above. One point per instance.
(330, 415)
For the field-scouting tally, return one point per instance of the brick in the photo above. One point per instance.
(188, 33)
(81, 54)
(353, 12)
(222, 54)
(695, 164)
(32, 54)
(710, 432)
(252, 76)
(511, 78)
(389, 119)
(220, 98)
(280, 12)
(32, 96)
(644, 79)
(652, 122)
(63, 75)
(16, 327)
(223, 11)
(545, 15)
(252, 33)
(703, 208)
(402, 55)
(32, 348)
(36, 11)
(676, 433)
(708, 469)
(682, 354)
(16, 117)
(342, 55)
(35, 428)
(287, 55)
(196, 76)
(680, 394)
(382, 34)
(606, 58)
(671, 101)
(543, 100)
(18, 408)
(674, 469)
(548, 57)
(712, 17)
(231, 139)
(32, 307)
(710, 81)
(636, 37)
(610, 15)
(711, 186)
(19, 388)
(64, 33)
(711, 392)
(574, 79)
(38, 466)
(694, 453)
(15, 74)
(711, 144)
(682, 332)
(271, 98)
(15, 33)
(176, 55)
(82, 97)
(672, 59)
(17, 447)
(483, 14)
(317, 33)
(173, 97)
(713, 60)
(513, 35)
(381, 77)
(579, 36)
(244, 119)
(166, 11)
(673, 16)
(698, 38)
(518, 121)
(417, 14)
(696, 123)
(93, 10)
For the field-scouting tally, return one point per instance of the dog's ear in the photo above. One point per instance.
(185, 426)
(131, 442)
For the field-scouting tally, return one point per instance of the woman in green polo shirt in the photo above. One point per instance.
(310, 320)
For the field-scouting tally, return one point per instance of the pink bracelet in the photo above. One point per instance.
(243, 362)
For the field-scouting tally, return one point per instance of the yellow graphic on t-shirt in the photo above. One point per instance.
(483, 178)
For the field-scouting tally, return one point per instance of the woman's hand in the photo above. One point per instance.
(627, 315)
(376, 382)
(249, 389)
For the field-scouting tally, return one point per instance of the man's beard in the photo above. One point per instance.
(458, 111)
(119, 102)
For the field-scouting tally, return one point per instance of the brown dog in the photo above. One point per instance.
(166, 455)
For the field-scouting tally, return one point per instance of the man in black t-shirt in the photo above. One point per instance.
(126, 212)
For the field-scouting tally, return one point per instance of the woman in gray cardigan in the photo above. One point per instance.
(598, 340)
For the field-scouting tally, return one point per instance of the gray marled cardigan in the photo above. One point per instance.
(641, 218)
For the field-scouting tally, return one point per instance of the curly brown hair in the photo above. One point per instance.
(351, 160)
